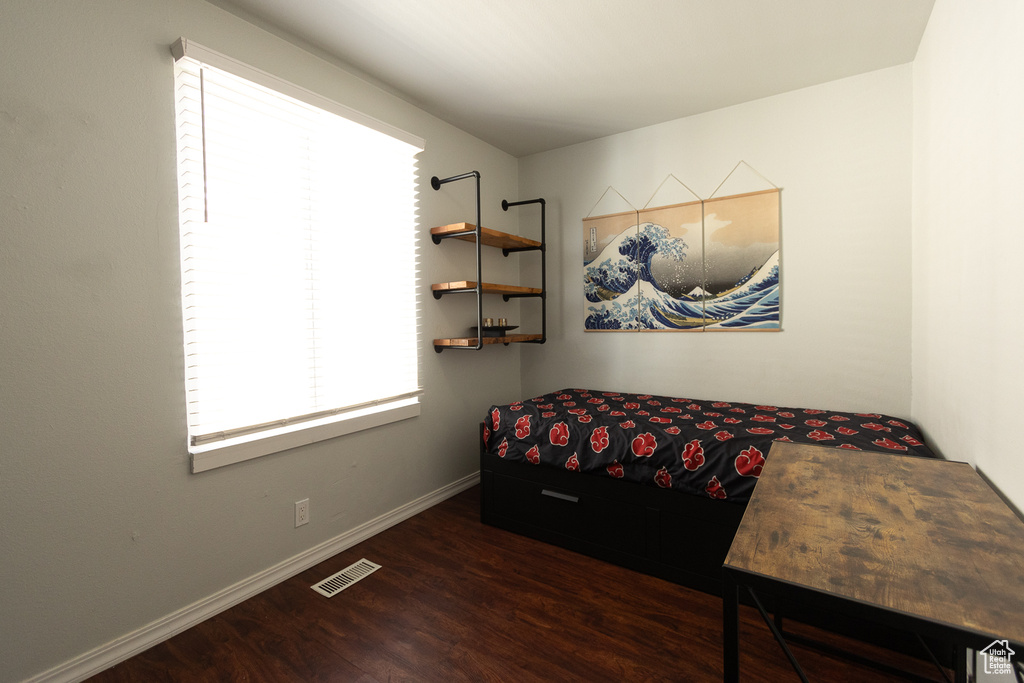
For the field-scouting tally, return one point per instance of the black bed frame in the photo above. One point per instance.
(676, 537)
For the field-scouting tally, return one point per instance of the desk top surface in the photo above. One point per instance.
(924, 537)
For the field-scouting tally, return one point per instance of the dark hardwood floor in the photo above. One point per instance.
(460, 601)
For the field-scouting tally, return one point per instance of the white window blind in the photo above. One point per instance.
(298, 255)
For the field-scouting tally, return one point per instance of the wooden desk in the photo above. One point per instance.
(920, 544)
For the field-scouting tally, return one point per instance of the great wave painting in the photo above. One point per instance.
(711, 265)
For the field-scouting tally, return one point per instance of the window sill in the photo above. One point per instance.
(256, 445)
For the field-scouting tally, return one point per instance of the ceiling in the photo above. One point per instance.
(532, 75)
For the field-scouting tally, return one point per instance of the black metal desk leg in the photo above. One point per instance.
(730, 629)
(960, 666)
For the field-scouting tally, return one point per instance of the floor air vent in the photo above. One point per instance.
(336, 583)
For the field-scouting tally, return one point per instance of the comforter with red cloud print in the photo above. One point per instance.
(708, 448)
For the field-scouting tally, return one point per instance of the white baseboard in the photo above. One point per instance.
(128, 645)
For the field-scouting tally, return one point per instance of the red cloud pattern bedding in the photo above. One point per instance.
(709, 448)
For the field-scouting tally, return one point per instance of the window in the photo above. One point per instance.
(298, 253)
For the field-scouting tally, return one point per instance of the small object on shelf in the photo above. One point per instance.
(494, 330)
(488, 322)
(502, 322)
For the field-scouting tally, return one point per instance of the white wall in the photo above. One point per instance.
(102, 528)
(842, 154)
(968, 235)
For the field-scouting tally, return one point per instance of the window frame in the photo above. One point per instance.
(243, 444)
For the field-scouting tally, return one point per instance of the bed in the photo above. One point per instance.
(654, 483)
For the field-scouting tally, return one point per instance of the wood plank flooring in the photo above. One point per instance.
(460, 601)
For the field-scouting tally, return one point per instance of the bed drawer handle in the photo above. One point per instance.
(560, 496)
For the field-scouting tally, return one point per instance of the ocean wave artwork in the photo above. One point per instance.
(710, 265)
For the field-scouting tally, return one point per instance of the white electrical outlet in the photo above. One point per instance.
(302, 512)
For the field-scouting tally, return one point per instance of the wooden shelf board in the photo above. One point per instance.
(488, 287)
(492, 238)
(471, 341)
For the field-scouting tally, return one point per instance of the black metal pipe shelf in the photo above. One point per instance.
(508, 244)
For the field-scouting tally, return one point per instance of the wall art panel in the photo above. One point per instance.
(610, 271)
(710, 265)
(741, 256)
